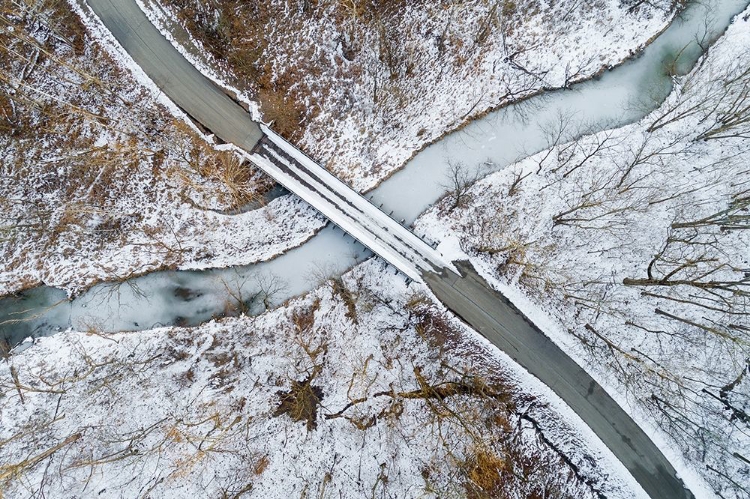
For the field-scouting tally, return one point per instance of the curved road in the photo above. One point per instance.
(174, 75)
(469, 296)
(494, 316)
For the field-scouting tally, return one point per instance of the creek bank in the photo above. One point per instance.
(499, 138)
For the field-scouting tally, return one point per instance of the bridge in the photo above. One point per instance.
(456, 284)
(213, 109)
(346, 208)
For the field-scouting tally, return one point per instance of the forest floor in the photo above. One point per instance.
(362, 86)
(363, 387)
(99, 181)
(635, 242)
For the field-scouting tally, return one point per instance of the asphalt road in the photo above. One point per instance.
(202, 99)
(490, 313)
(469, 296)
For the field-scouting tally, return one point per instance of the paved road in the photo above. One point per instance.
(180, 80)
(469, 296)
(490, 313)
(211, 107)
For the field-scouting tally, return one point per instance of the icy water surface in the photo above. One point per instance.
(181, 297)
(619, 97)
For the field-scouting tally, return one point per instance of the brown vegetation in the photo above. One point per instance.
(86, 151)
(348, 79)
(301, 402)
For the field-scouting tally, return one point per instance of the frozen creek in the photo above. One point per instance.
(616, 98)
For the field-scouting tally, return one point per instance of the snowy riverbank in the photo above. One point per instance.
(633, 240)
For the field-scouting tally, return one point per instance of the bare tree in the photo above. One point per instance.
(459, 180)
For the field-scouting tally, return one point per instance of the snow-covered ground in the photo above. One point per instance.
(362, 87)
(195, 411)
(141, 186)
(617, 98)
(391, 397)
(120, 189)
(100, 182)
(635, 241)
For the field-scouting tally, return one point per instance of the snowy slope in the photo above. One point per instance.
(196, 412)
(635, 241)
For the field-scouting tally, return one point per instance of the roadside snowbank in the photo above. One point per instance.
(628, 247)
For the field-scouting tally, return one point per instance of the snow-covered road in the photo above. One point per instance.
(346, 208)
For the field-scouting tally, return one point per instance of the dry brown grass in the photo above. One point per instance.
(347, 296)
(243, 36)
(304, 318)
(432, 324)
(59, 92)
(485, 474)
(261, 465)
(208, 173)
(301, 402)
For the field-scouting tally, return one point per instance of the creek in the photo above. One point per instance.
(615, 98)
